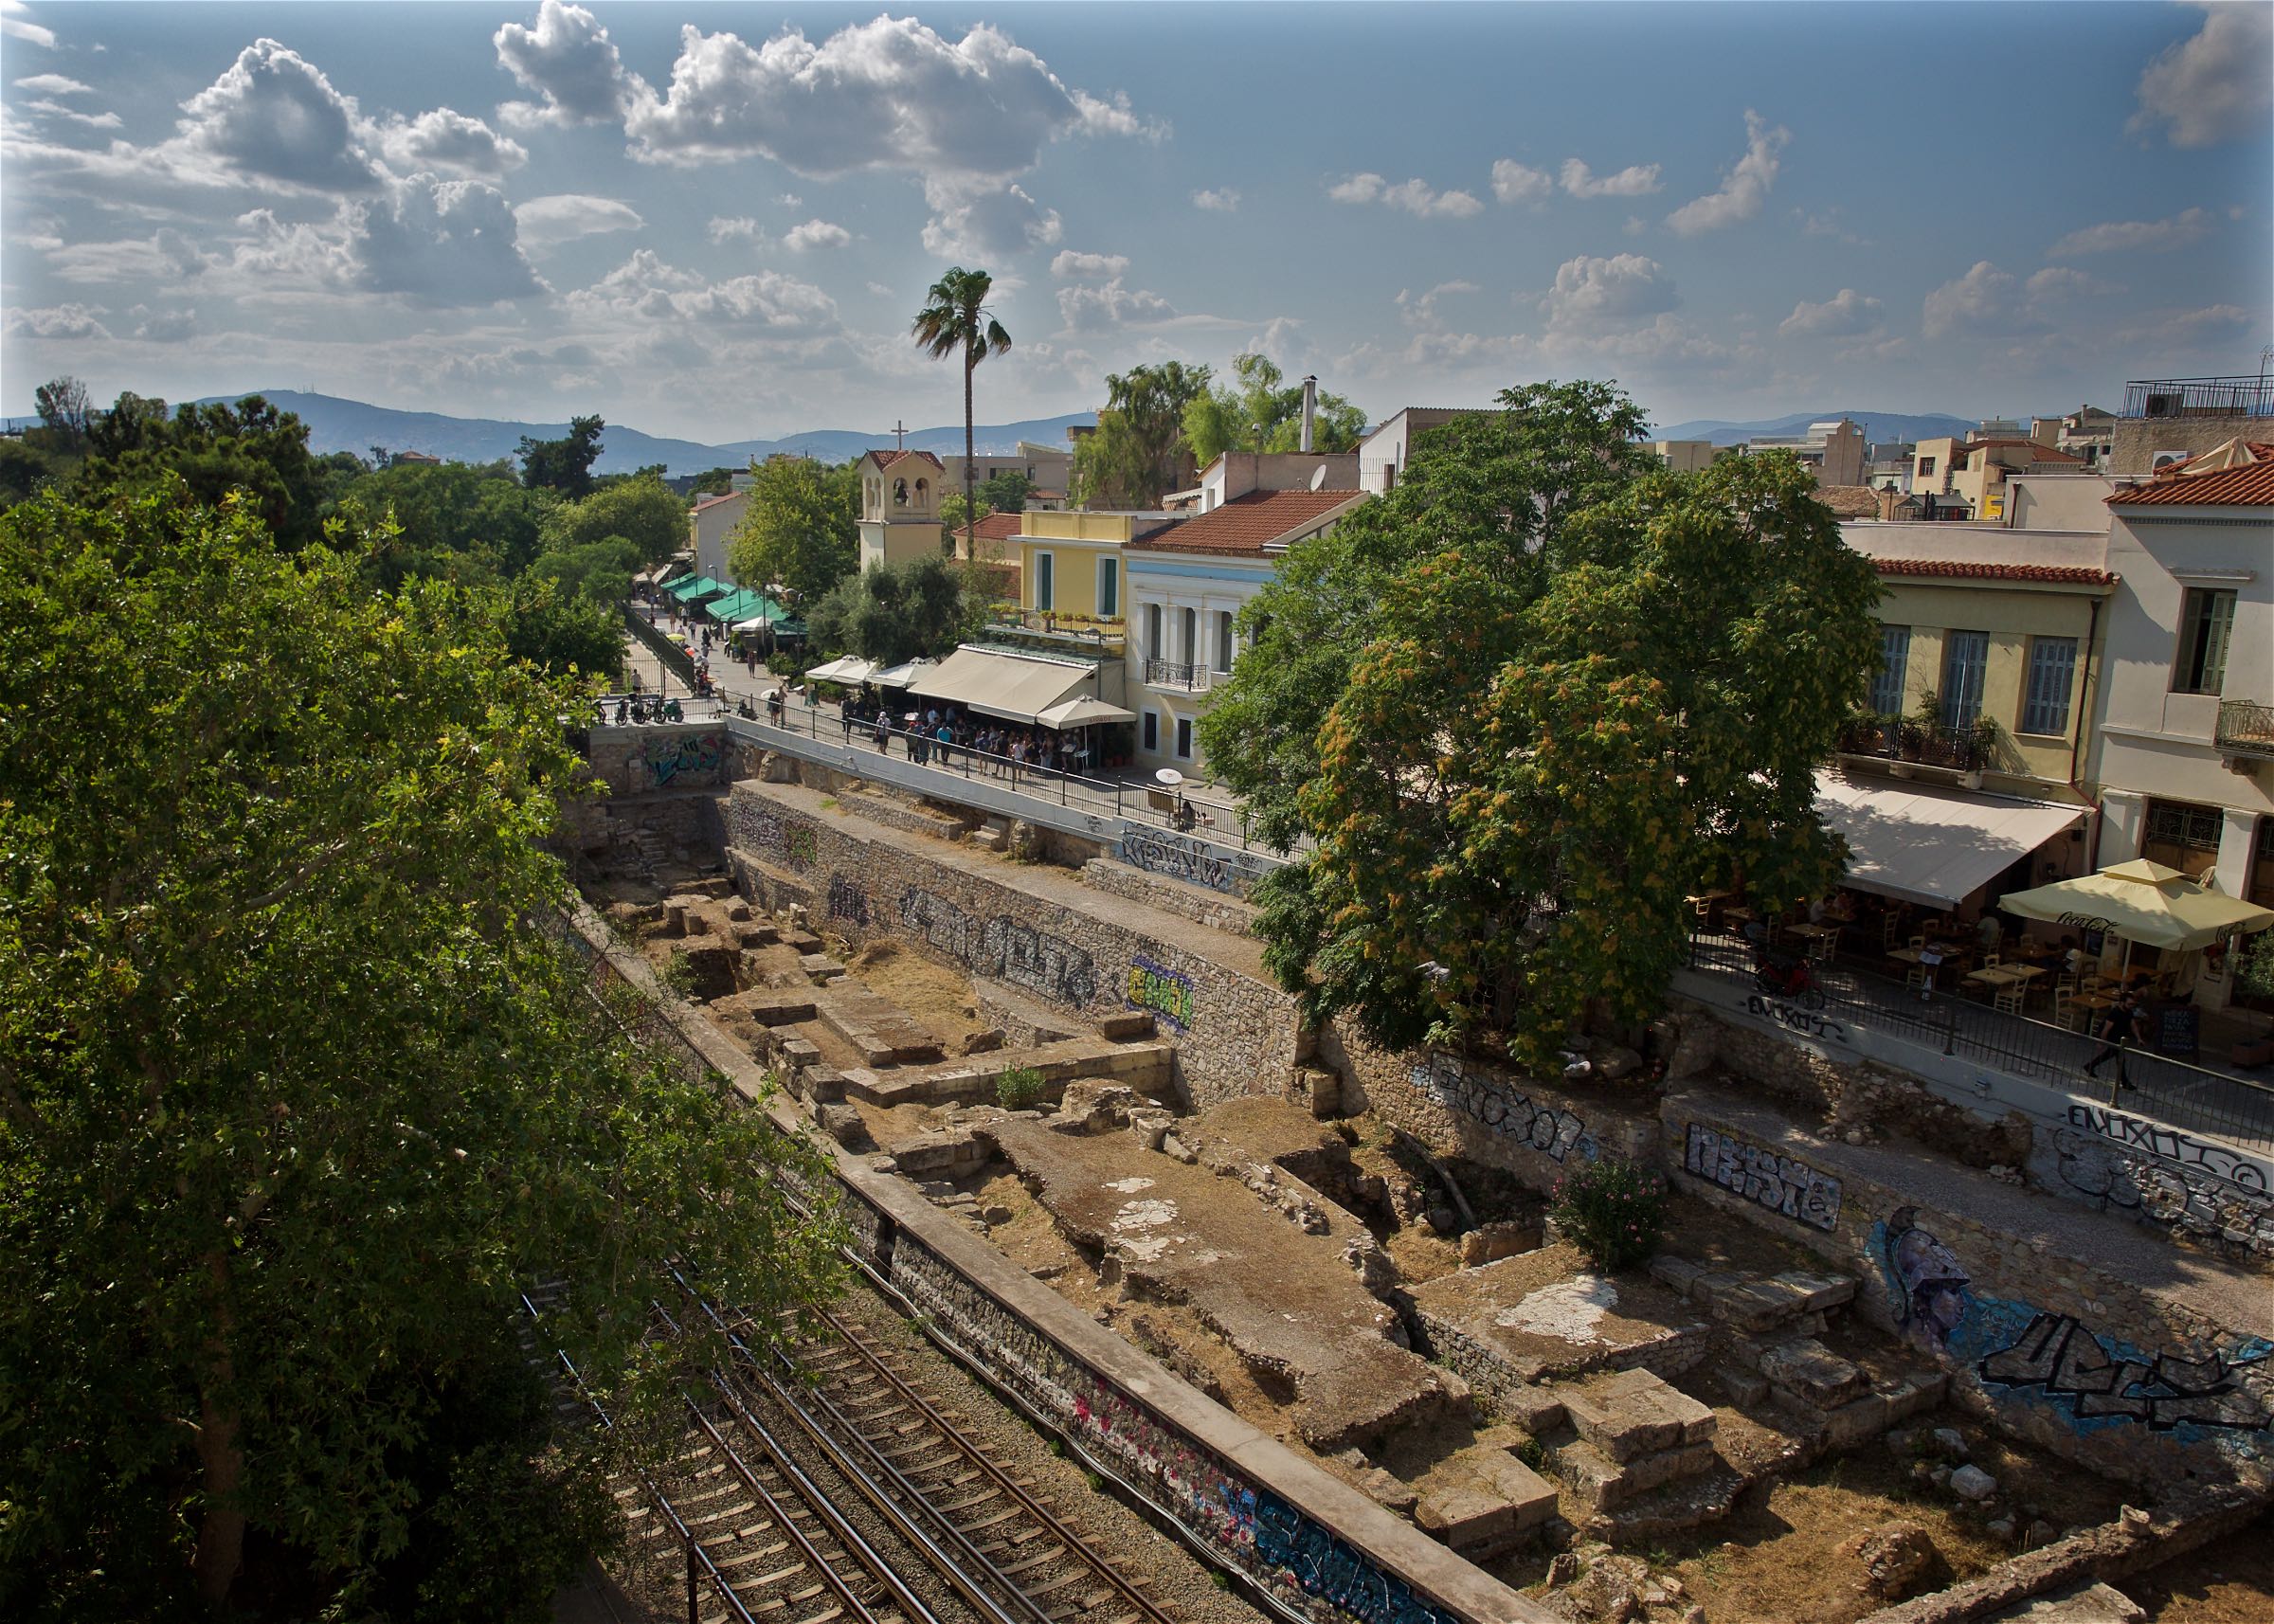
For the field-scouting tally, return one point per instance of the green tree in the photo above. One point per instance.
(892, 612)
(957, 514)
(955, 320)
(642, 512)
(1261, 411)
(1545, 692)
(297, 1093)
(799, 529)
(1004, 493)
(1138, 453)
(249, 447)
(564, 465)
(452, 521)
(564, 630)
(65, 413)
(714, 481)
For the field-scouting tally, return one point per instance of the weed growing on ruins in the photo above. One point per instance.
(1019, 1088)
(1533, 1453)
(678, 973)
(1614, 1211)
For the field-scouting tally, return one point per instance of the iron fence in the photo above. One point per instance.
(2172, 1091)
(1175, 674)
(2246, 726)
(2242, 396)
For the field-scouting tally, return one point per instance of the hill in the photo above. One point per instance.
(339, 424)
(1877, 426)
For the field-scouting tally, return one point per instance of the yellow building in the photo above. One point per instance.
(1070, 564)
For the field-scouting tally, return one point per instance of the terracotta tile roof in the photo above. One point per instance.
(1246, 524)
(1849, 501)
(2248, 486)
(2056, 574)
(713, 501)
(886, 458)
(998, 527)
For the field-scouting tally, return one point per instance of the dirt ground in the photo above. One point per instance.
(2228, 1582)
(931, 994)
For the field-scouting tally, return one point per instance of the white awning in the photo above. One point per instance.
(902, 675)
(1081, 710)
(1932, 846)
(1012, 685)
(849, 669)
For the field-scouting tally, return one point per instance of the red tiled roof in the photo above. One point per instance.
(713, 501)
(998, 527)
(886, 458)
(1246, 524)
(2058, 575)
(2249, 486)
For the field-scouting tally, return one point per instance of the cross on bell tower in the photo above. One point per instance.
(900, 435)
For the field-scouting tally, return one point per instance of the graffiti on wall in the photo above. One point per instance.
(792, 843)
(1551, 1129)
(1759, 1174)
(1001, 947)
(1160, 991)
(685, 762)
(847, 901)
(1795, 1018)
(2092, 1380)
(2132, 1133)
(1180, 857)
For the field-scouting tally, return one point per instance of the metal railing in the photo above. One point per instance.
(2189, 1097)
(660, 644)
(1966, 749)
(2246, 727)
(2245, 395)
(1169, 673)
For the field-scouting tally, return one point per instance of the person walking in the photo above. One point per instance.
(2116, 1030)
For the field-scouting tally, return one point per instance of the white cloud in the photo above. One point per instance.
(273, 116)
(647, 289)
(1219, 200)
(1087, 268)
(569, 59)
(978, 223)
(2213, 86)
(1090, 307)
(2125, 236)
(17, 27)
(1827, 223)
(880, 289)
(1414, 196)
(442, 243)
(1845, 315)
(444, 139)
(2059, 281)
(57, 110)
(816, 234)
(1743, 190)
(164, 326)
(548, 221)
(54, 85)
(1635, 180)
(1421, 310)
(887, 94)
(168, 256)
(1513, 182)
(55, 321)
(1592, 295)
(722, 227)
(1979, 302)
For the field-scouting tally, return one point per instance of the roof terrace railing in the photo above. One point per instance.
(2245, 395)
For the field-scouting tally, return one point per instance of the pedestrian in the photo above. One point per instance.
(946, 737)
(2116, 1030)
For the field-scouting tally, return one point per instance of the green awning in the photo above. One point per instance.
(739, 605)
(695, 591)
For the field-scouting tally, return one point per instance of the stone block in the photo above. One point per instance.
(1811, 1372)
(820, 967)
(1856, 1422)
(779, 1009)
(1126, 1026)
(823, 1085)
(798, 1053)
(1392, 1494)
(1745, 1387)
(1634, 1413)
(1678, 1273)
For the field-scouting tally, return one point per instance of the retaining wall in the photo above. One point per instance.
(1317, 1545)
(2105, 1346)
(1036, 930)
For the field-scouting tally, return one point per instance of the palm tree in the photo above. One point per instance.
(955, 317)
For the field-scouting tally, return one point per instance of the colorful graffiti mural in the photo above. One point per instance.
(686, 761)
(1160, 991)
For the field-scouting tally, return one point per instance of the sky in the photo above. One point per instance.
(717, 222)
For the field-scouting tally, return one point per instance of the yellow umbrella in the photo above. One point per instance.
(2141, 901)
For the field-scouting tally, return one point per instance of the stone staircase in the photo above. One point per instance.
(1635, 1454)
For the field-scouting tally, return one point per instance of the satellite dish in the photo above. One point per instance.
(1318, 478)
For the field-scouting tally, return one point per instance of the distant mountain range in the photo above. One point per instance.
(337, 424)
(1877, 426)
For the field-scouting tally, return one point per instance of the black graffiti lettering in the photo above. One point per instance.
(1180, 856)
(1327, 1567)
(1550, 1129)
(847, 901)
(1764, 1176)
(1003, 947)
(2056, 1355)
(2170, 1145)
(1798, 1019)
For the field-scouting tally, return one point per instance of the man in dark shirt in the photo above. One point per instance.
(2116, 1031)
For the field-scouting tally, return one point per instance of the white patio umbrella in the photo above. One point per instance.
(2141, 901)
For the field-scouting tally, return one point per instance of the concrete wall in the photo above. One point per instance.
(646, 758)
(1235, 1032)
(2139, 438)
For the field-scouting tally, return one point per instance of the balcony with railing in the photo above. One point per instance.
(2246, 727)
(2243, 396)
(1169, 673)
(1958, 749)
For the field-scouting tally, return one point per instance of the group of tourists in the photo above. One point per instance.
(932, 734)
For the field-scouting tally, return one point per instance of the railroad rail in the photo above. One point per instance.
(825, 1486)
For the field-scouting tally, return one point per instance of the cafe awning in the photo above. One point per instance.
(695, 590)
(1081, 710)
(902, 675)
(1015, 687)
(2141, 901)
(1932, 846)
(737, 605)
(849, 669)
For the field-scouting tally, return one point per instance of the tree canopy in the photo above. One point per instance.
(299, 1094)
(564, 465)
(642, 511)
(248, 446)
(1138, 453)
(1261, 411)
(799, 528)
(892, 612)
(955, 321)
(1004, 493)
(1526, 703)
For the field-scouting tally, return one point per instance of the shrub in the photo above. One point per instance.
(1613, 1211)
(1019, 1088)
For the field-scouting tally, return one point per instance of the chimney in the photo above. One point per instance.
(1311, 407)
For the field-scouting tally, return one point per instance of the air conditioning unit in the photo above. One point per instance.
(2162, 405)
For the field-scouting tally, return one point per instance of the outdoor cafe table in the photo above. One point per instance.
(1999, 976)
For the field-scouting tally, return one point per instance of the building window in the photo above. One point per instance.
(2052, 671)
(1223, 639)
(1965, 661)
(1185, 738)
(1152, 729)
(1926, 467)
(1152, 636)
(2181, 835)
(1188, 642)
(1894, 671)
(1045, 581)
(1109, 588)
(2205, 621)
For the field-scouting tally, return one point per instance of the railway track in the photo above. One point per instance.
(824, 1485)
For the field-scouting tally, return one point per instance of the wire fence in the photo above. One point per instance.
(2188, 1097)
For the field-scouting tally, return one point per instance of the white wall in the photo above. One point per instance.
(713, 526)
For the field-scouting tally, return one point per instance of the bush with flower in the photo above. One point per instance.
(1612, 1210)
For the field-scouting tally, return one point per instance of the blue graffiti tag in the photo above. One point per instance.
(1326, 1567)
